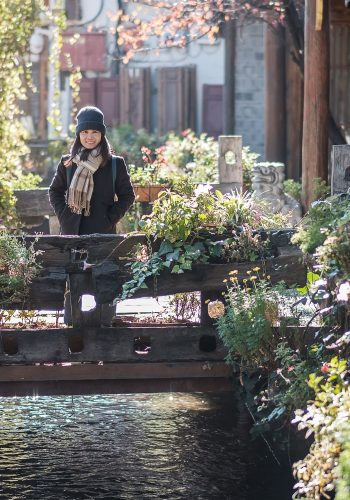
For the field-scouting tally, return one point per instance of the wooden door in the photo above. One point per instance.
(87, 94)
(107, 99)
(213, 111)
(176, 99)
(135, 97)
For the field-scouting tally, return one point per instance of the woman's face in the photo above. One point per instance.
(90, 138)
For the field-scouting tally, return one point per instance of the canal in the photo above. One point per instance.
(141, 446)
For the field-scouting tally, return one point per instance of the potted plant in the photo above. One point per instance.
(149, 180)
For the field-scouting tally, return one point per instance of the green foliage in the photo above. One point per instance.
(175, 159)
(327, 419)
(289, 387)
(293, 188)
(248, 161)
(128, 142)
(246, 328)
(343, 470)
(17, 22)
(321, 190)
(57, 148)
(177, 258)
(183, 223)
(26, 181)
(323, 217)
(243, 245)
(194, 156)
(18, 266)
(310, 280)
(177, 217)
(153, 171)
(334, 254)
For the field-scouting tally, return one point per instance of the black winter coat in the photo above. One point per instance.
(105, 212)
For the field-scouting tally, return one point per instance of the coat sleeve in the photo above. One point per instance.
(123, 190)
(58, 188)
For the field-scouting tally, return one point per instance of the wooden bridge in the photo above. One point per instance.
(89, 358)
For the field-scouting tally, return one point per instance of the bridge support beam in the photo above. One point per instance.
(114, 378)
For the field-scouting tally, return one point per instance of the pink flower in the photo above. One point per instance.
(325, 368)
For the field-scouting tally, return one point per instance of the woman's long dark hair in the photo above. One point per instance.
(105, 150)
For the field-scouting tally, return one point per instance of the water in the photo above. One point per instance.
(158, 446)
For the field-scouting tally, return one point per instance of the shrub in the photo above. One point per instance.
(18, 266)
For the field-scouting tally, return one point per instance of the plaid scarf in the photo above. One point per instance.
(82, 185)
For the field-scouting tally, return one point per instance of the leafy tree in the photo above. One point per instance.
(17, 22)
(176, 24)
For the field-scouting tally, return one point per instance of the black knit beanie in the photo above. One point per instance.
(90, 118)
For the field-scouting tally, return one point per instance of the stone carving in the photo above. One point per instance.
(267, 182)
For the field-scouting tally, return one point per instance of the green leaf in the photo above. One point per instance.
(311, 277)
(165, 248)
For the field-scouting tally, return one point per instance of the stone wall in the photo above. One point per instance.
(249, 86)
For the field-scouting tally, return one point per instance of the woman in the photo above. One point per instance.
(82, 193)
(91, 189)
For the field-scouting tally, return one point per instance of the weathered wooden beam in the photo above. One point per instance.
(95, 248)
(316, 100)
(275, 97)
(78, 283)
(112, 371)
(229, 87)
(60, 250)
(206, 277)
(176, 343)
(46, 292)
(117, 386)
(339, 13)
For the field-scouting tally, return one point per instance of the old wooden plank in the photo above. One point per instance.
(110, 371)
(79, 284)
(108, 279)
(57, 250)
(275, 77)
(316, 101)
(180, 343)
(119, 386)
(294, 112)
(339, 14)
(206, 277)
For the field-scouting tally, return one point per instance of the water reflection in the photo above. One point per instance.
(183, 446)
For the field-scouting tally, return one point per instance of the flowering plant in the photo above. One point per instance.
(251, 312)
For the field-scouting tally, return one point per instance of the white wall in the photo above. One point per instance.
(208, 58)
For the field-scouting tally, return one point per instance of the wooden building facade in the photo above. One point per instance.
(285, 88)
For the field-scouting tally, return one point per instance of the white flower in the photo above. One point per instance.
(202, 189)
(343, 294)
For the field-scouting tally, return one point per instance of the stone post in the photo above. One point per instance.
(230, 163)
